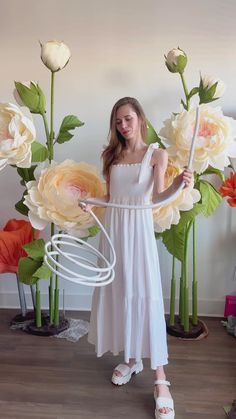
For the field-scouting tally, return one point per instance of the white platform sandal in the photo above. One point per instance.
(163, 402)
(126, 372)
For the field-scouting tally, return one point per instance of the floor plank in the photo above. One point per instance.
(49, 378)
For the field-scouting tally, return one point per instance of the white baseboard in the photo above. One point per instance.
(214, 308)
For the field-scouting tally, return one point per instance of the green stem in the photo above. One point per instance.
(185, 91)
(195, 283)
(56, 306)
(38, 307)
(51, 136)
(45, 121)
(51, 155)
(181, 294)
(173, 291)
(186, 282)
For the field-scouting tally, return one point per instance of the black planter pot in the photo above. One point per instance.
(47, 329)
(178, 331)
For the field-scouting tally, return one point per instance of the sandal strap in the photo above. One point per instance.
(123, 369)
(167, 383)
(164, 402)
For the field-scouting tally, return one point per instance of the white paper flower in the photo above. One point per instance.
(17, 132)
(167, 215)
(215, 141)
(53, 197)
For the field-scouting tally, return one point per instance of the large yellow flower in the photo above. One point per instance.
(215, 141)
(17, 132)
(53, 197)
(167, 215)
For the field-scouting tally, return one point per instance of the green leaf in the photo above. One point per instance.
(26, 174)
(35, 249)
(173, 240)
(21, 207)
(43, 272)
(26, 270)
(152, 136)
(70, 122)
(193, 92)
(210, 197)
(39, 152)
(93, 231)
(213, 171)
(188, 216)
(32, 97)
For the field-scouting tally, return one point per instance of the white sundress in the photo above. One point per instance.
(128, 314)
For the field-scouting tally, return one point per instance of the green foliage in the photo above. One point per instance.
(210, 197)
(69, 123)
(35, 249)
(173, 239)
(32, 96)
(93, 231)
(43, 272)
(206, 95)
(212, 171)
(26, 174)
(152, 136)
(39, 152)
(193, 92)
(21, 207)
(26, 269)
(32, 268)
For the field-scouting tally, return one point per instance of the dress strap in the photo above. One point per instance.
(146, 160)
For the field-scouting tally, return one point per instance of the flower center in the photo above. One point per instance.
(207, 130)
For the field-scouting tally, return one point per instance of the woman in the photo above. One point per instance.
(128, 314)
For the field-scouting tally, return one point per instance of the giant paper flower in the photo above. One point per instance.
(164, 217)
(14, 235)
(228, 188)
(17, 132)
(215, 141)
(53, 197)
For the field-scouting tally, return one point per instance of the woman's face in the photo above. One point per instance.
(127, 122)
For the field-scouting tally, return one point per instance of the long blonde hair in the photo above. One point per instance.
(117, 143)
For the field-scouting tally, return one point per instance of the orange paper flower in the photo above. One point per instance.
(228, 188)
(14, 235)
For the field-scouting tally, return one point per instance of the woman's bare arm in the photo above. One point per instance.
(159, 193)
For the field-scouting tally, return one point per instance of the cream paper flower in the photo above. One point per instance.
(164, 217)
(17, 132)
(215, 141)
(53, 197)
(55, 55)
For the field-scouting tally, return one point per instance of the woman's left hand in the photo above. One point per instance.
(185, 176)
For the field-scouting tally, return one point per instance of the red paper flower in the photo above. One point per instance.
(228, 188)
(14, 235)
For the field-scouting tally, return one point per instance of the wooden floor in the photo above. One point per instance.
(49, 378)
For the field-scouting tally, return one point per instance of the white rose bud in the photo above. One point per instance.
(55, 55)
(210, 88)
(176, 60)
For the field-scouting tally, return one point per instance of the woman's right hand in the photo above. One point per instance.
(85, 207)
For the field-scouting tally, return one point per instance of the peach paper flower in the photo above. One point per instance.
(53, 197)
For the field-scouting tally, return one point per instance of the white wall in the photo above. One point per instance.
(117, 50)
